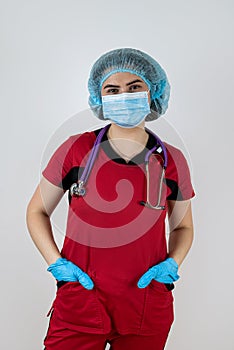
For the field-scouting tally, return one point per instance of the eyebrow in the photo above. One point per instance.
(117, 86)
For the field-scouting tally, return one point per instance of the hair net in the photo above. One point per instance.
(136, 62)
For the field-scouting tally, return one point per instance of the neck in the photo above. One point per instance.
(127, 141)
(137, 133)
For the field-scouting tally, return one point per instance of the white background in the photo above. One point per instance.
(47, 50)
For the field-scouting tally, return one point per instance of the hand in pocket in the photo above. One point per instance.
(65, 270)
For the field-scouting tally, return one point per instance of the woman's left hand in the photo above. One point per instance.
(164, 272)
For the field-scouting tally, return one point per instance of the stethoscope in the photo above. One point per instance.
(78, 188)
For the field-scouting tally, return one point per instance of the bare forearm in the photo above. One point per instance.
(40, 230)
(180, 242)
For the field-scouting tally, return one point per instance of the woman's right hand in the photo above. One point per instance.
(65, 270)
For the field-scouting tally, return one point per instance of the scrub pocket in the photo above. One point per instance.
(158, 314)
(80, 309)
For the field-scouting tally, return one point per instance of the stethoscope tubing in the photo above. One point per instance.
(93, 154)
(78, 189)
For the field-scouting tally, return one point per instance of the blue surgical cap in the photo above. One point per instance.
(136, 62)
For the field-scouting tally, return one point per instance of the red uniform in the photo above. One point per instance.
(115, 240)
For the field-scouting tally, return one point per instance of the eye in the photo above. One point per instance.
(112, 91)
(135, 87)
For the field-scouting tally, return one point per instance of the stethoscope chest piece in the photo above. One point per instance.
(77, 189)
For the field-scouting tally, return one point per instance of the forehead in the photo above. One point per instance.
(121, 78)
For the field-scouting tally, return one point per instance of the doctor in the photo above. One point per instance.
(115, 272)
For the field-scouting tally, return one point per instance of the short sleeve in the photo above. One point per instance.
(178, 177)
(59, 164)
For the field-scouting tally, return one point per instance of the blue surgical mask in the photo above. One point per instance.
(126, 110)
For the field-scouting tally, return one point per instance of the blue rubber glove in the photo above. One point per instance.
(65, 270)
(164, 272)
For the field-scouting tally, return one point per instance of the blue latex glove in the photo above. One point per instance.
(164, 272)
(64, 270)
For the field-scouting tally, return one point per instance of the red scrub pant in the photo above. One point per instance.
(74, 305)
(65, 339)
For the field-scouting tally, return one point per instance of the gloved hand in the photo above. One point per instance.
(65, 270)
(164, 272)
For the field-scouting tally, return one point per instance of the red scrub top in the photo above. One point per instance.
(114, 238)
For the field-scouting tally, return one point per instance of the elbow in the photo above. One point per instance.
(29, 215)
(33, 213)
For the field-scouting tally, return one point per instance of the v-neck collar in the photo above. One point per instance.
(137, 159)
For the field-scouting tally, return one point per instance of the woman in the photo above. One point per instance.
(115, 272)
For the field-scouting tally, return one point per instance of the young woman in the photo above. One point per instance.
(115, 272)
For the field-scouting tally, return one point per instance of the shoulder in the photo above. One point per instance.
(77, 144)
(174, 154)
(83, 140)
(177, 164)
(172, 150)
